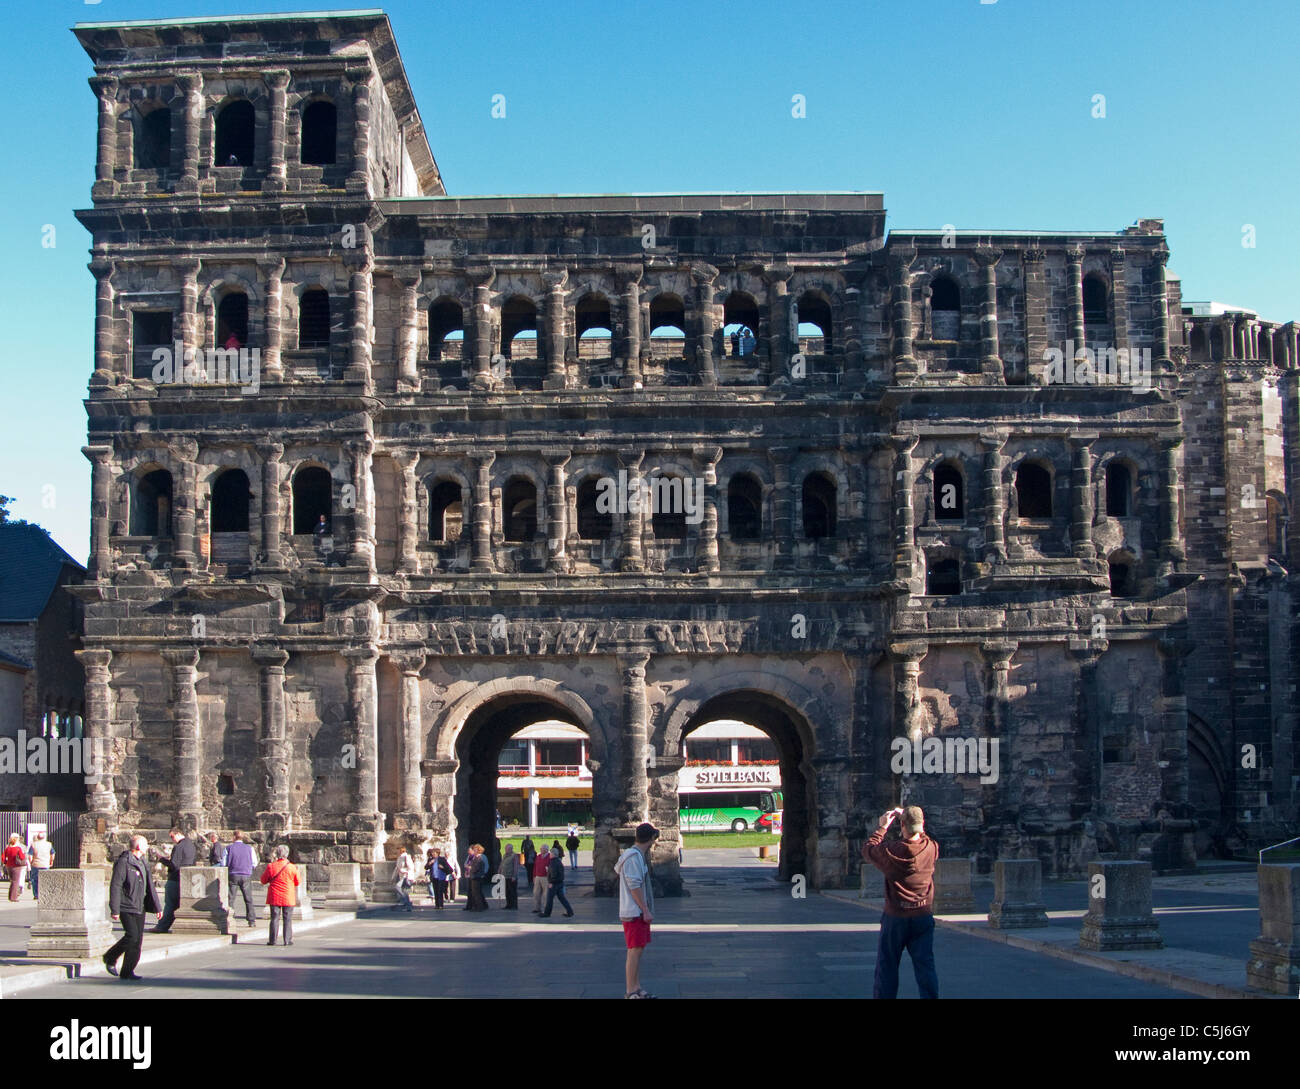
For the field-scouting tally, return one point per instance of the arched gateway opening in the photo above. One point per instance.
(745, 772)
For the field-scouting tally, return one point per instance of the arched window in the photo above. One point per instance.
(943, 576)
(819, 506)
(1095, 309)
(446, 322)
(319, 134)
(232, 320)
(740, 324)
(1033, 491)
(949, 502)
(667, 316)
(668, 500)
(312, 498)
(1119, 490)
(314, 318)
(446, 513)
(518, 320)
(945, 308)
(1122, 580)
(744, 507)
(593, 523)
(236, 124)
(519, 511)
(230, 499)
(151, 513)
(153, 140)
(815, 320)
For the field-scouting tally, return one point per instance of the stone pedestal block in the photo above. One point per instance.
(302, 910)
(345, 887)
(72, 915)
(1017, 894)
(1119, 908)
(381, 888)
(952, 887)
(1274, 963)
(205, 900)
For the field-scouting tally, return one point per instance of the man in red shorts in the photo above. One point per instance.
(636, 903)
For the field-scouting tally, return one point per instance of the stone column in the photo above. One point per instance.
(906, 659)
(990, 361)
(782, 507)
(110, 366)
(277, 81)
(1171, 551)
(101, 550)
(105, 88)
(854, 362)
(708, 459)
(183, 663)
(781, 307)
(632, 667)
(410, 801)
(360, 288)
(188, 270)
(997, 655)
(633, 558)
(359, 180)
(904, 514)
(557, 558)
(274, 740)
(1119, 908)
(1274, 963)
(363, 711)
(705, 365)
(408, 559)
(1035, 280)
(483, 378)
(101, 799)
(481, 560)
(557, 376)
(995, 546)
(272, 367)
(408, 340)
(363, 517)
(1074, 289)
(905, 365)
(271, 527)
(1119, 299)
(1017, 894)
(1086, 751)
(632, 332)
(191, 88)
(1081, 505)
(183, 498)
(1162, 364)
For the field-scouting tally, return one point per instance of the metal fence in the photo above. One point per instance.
(60, 830)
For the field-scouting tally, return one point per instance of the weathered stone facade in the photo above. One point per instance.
(908, 526)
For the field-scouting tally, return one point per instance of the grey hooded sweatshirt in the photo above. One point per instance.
(633, 873)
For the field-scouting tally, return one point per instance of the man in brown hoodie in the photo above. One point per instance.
(908, 921)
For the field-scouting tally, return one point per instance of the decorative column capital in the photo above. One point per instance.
(104, 86)
(271, 451)
(359, 78)
(189, 82)
(269, 656)
(1033, 255)
(408, 276)
(484, 461)
(778, 274)
(272, 266)
(102, 268)
(631, 460)
(97, 455)
(95, 662)
(187, 266)
(999, 652)
(277, 78)
(908, 653)
(987, 256)
(1160, 256)
(180, 657)
(408, 663)
(1074, 255)
(703, 274)
(993, 441)
(633, 663)
(556, 278)
(358, 261)
(362, 656)
(481, 275)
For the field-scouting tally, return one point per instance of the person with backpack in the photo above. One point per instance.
(636, 902)
(15, 862)
(555, 881)
(572, 843)
(281, 881)
(540, 865)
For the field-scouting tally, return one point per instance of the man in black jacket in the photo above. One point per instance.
(555, 885)
(183, 853)
(529, 850)
(130, 895)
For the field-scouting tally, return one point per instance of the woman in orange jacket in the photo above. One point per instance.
(281, 881)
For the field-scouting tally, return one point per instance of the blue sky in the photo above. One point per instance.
(979, 115)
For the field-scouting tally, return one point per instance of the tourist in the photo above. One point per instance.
(403, 878)
(41, 859)
(540, 865)
(746, 341)
(182, 854)
(438, 870)
(528, 849)
(232, 343)
(555, 882)
(241, 861)
(572, 843)
(510, 871)
(908, 922)
(281, 881)
(476, 869)
(636, 904)
(454, 866)
(217, 851)
(735, 342)
(130, 894)
(15, 863)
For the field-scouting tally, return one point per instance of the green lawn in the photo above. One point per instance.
(730, 839)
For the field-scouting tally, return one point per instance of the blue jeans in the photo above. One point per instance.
(573, 860)
(556, 892)
(36, 872)
(171, 901)
(916, 935)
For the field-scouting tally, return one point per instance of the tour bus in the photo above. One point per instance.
(729, 781)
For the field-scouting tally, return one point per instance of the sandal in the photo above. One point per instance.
(640, 992)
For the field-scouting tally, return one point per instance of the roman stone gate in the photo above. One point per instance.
(382, 475)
